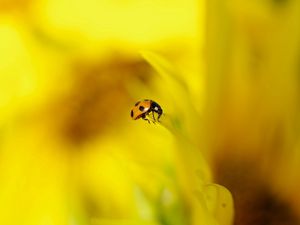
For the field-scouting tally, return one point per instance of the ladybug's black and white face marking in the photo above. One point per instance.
(143, 108)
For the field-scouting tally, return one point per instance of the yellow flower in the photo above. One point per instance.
(69, 152)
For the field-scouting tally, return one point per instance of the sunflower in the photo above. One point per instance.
(70, 154)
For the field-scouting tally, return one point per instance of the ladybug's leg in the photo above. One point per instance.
(149, 114)
(153, 116)
(159, 115)
(144, 118)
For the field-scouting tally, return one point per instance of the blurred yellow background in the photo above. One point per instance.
(225, 73)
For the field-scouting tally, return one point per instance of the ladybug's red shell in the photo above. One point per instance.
(140, 108)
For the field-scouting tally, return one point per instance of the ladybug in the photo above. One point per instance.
(145, 107)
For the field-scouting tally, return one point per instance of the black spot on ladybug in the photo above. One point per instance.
(137, 103)
(131, 113)
(141, 108)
